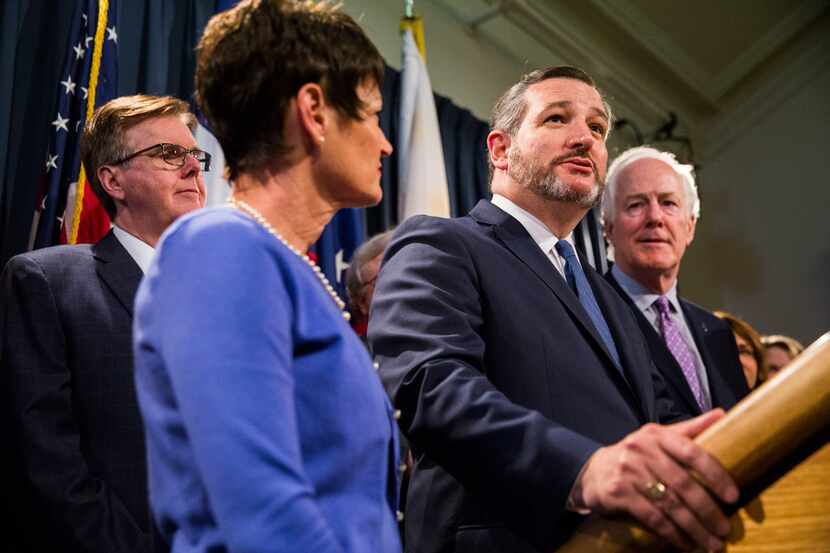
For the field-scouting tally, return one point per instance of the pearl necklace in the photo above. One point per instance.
(259, 218)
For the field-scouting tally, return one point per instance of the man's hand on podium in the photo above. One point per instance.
(665, 481)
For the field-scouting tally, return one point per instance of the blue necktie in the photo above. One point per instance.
(579, 284)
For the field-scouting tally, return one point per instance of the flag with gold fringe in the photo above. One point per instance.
(67, 210)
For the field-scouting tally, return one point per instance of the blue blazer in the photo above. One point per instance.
(75, 438)
(716, 344)
(504, 386)
(267, 427)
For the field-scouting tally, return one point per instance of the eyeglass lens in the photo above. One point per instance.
(175, 155)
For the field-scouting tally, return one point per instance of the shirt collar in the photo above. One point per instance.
(537, 230)
(141, 252)
(643, 298)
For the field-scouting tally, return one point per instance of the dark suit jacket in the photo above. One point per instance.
(716, 344)
(504, 386)
(78, 481)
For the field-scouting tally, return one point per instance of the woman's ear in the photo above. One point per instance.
(313, 112)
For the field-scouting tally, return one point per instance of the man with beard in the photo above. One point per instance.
(524, 384)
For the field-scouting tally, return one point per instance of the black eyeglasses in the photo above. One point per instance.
(171, 153)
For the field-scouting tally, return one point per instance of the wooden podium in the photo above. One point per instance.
(774, 444)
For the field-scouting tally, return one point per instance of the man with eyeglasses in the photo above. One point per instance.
(79, 479)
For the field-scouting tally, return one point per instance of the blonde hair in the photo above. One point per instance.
(793, 346)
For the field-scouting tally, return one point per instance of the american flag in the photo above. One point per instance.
(91, 57)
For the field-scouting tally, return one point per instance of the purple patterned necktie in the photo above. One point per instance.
(679, 348)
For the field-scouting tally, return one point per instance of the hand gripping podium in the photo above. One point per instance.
(774, 444)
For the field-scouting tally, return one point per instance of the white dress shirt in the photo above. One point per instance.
(537, 230)
(141, 252)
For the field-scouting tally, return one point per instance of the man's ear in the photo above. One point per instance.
(692, 227)
(498, 144)
(110, 180)
(313, 112)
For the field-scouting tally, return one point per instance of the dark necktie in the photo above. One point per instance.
(579, 284)
(679, 348)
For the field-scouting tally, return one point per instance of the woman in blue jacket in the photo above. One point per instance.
(267, 427)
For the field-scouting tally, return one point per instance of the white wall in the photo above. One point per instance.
(763, 245)
(471, 72)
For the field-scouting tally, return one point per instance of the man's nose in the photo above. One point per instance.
(654, 214)
(191, 166)
(580, 138)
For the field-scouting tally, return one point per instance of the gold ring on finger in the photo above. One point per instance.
(656, 490)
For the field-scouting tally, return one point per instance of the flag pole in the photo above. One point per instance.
(413, 23)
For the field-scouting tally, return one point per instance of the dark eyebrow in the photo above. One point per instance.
(567, 104)
(600, 113)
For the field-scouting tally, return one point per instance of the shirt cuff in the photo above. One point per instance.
(575, 502)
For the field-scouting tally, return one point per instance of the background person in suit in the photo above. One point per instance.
(521, 376)
(75, 434)
(360, 279)
(650, 208)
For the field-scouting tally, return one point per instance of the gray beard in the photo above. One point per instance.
(544, 182)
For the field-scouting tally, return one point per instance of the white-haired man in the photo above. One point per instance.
(650, 207)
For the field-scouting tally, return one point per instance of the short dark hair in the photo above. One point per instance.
(102, 141)
(252, 59)
(511, 108)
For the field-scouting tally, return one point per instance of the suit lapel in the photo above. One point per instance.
(718, 388)
(517, 240)
(663, 358)
(638, 376)
(117, 269)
